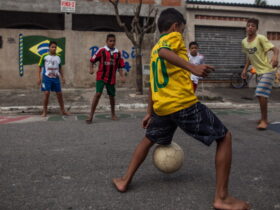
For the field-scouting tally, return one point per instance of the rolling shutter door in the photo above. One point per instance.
(222, 48)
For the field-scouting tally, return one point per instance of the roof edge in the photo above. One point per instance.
(232, 4)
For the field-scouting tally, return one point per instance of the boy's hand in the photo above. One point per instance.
(202, 70)
(63, 80)
(274, 61)
(91, 71)
(123, 79)
(244, 74)
(146, 120)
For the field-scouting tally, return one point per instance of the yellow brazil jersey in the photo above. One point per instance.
(256, 52)
(171, 86)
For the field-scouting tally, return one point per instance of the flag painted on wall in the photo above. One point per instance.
(31, 48)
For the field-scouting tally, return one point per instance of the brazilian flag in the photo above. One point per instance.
(31, 48)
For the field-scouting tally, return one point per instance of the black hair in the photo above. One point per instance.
(52, 42)
(254, 21)
(193, 43)
(110, 36)
(168, 17)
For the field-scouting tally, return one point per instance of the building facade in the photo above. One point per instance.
(219, 29)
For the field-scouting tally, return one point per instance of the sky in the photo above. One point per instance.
(269, 2)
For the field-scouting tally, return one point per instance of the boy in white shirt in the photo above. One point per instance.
(195, 58)
(49, 79)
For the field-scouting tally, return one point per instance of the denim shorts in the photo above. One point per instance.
(197, 121)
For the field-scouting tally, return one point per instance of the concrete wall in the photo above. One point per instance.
(76, 58)
(87, 6)
(78, 43)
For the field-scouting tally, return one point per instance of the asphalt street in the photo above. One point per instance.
(63, 163)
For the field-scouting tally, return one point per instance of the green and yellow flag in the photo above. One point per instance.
(31, 48)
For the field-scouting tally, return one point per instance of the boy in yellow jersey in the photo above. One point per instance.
(172, 103)
(256, 47)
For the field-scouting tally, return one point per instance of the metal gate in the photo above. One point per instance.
(222, 48)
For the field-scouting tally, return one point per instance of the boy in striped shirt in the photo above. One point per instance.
(110, 61)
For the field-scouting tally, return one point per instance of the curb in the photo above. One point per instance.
(123, 107)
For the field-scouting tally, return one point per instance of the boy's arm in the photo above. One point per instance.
(96, 57)
(173, 58)
(39, 81)
(40, 65)
(244, 72)
(268, 46)
(121, 65)
(121, 72)
(274, 60)
(91, 69)
(61, 74)
(147, 118)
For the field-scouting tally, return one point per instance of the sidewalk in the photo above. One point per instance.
(79, 100)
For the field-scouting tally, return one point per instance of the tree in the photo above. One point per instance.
(260, 2)
(136, 35)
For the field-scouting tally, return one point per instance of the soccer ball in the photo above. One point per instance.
(168, 158)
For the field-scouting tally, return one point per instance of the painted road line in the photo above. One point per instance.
(5, 120)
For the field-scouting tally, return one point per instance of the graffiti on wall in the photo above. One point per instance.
(126, 56)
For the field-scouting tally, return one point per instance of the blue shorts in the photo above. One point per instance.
(50, 84)
(198, 121)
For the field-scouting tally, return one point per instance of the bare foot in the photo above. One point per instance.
(262, 125)
(65, 113)
(230, 203)
(44, 114)
(120, 184)
(114, 117)
(259, 121)
(89, 121)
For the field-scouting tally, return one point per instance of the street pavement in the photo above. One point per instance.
(60, 162)
(63, 163)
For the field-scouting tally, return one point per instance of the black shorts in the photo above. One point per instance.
(198, 121)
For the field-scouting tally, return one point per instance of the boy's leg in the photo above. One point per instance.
(263, 91)
(46, 88)
(94, 104)
(45, 103)
(202, 124)
(99, 89)
(138, 157)
(61, 103)
(112, 103)
(111, 91)
(160, 130)
(263, 123)
(223, 164)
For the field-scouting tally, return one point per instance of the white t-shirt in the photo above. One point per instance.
(196, 60)
(51, 64)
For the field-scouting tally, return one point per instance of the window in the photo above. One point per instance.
(82, 22)
(31, 20)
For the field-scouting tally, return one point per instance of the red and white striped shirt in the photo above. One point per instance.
(109, 61)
